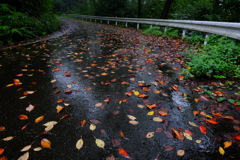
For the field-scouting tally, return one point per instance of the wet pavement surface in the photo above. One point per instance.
(108, 93)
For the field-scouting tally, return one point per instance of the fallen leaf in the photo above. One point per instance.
(132, 117)
(198, 141)
(178, 135)
(49, 125)
(23, 117)
(59, 109)
(141, 95)
(168, 134)
(45, 143)
(168, 148)
(83, 122)
(39, 119)
(111, 157)
(79, 144)
(37, 149)
(9, 85)
(140, 106)
(237, 137)
(88, 89)
(189, 132)
(122, 135)
(150, 113)
(123, 153)
(192, 124)
(24, 156)
(163, 113)
(30, 108)
(100, 143)
(26, 148)
(133, 122)
(203, 129)
(107, 100)
(150, 135)
(3, 158)
(60, 100)
(180, 152)
(151, 106)
(92, 127)
(66, 115)
(8, 138)
(129, 93)
(212, 121)
(195, 113)
(221, 150)
(136, 93)
(1, 151)
(68, 92)
(98, 105)
(157, 119)
(187, 136)
(2, 128)
(175, 87)
(227, 144)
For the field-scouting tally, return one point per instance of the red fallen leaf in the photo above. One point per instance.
(148, 60)
(122, 135)
(175, 88)
(1, 151)
(2, 128)
(237, 137)
(123, 152)
(212, 121)
(60, 100)
(203, 129)
(168, 148)
(56, 92)
(16, 82)
(163, 113)
(151, 106)
(19, 75)
(141, 95)
(24, 127)
(217, 114)
(88, 89)
(129, 93)
(107, 100)
(68, 92)
(189, 132)
(178, 135)
(23, 117)
(66, 115)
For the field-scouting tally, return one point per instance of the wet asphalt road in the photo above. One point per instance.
(104, 77)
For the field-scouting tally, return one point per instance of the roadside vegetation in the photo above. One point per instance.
(17, 26)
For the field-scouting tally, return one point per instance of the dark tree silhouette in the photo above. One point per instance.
(166, 9)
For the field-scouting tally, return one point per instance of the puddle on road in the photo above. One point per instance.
(91, 70)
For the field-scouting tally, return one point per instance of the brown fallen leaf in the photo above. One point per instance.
(180, 152)
(168, 148)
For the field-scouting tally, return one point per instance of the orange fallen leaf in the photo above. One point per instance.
(212, 121)
(39, 119)
(227, 144)
(123, 152)
(45, 143)
(163, 113)
(141, 95)
(60, 100)
(88, 89)
(219, 93)
(178, 135)
(23, 117)
(203, 129)
(66, 115)
(156, 91)
(146, 89)
(181, 77)
(107, 100)
(104, 74)
(56, 92)
(83, 122)
(229, 117)
(151, 106)
(59, 109)
(68, 92)
(3, 158)
(196, 99)
(129, 93)
(195, 113)
(122, 135)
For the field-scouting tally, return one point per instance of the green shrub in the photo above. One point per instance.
(220, 58)
(154, 31)
(172, 32)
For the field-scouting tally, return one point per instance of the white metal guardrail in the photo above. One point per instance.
(228, 29)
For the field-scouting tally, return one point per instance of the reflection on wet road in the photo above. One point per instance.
(116, 90)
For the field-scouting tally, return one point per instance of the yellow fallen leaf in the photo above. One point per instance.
(150, 113)
(188, 136)
(140, 106)
(157, 119)
(221, 150)
(39, 119)
(79, 144)
(100, 143)
(92, 127)
(136, 93)
(9, 85)
(198, 141)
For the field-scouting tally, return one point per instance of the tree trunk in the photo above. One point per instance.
(166, 9)
(139, 8)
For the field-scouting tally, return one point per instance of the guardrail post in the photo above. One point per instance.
(126, 25)
(107, 22)
(151, 26)
(184, 33)
(165, 30)
(101, 21)
(138, 26)
(116, 23)
(205, 40)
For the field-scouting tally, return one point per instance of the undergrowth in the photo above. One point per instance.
(16, 26)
